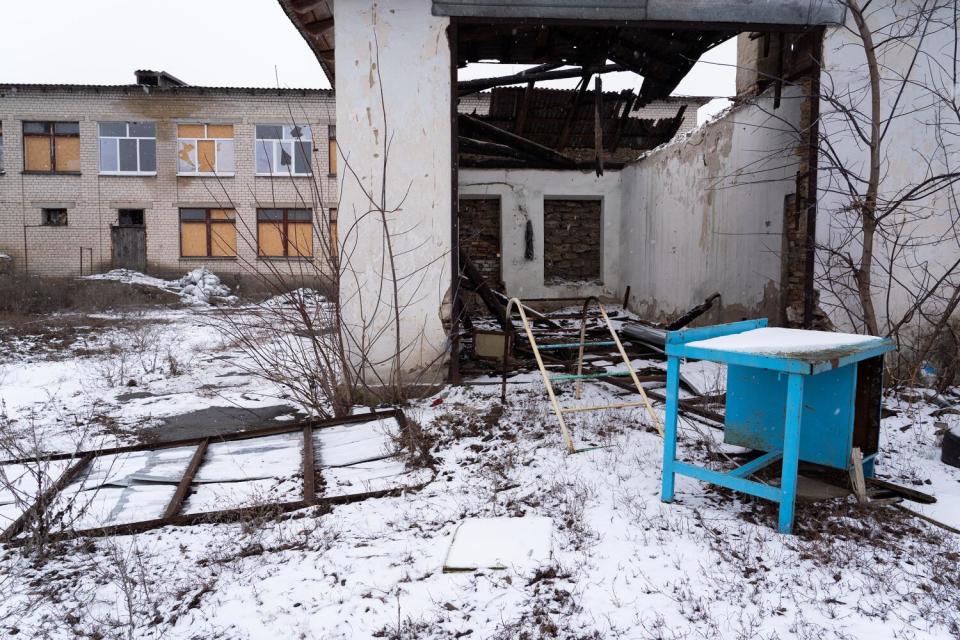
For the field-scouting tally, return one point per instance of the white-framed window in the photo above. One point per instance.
(283, 150)
(205, 149)
(128, 148)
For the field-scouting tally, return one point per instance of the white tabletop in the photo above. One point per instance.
(786, 343)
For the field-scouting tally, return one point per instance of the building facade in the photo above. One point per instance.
(165, 177)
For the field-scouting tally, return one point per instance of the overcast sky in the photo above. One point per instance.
(245, 43)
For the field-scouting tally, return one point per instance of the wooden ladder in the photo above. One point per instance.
(579, 376)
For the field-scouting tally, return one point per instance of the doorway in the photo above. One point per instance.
(129, 240)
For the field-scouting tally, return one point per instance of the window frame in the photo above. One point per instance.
(276, 167)
(196, 145)
(51, 136)
(285, 232)
(45, 214)
(127, 124)
(332, 150)
(209, 222)
(333, 230)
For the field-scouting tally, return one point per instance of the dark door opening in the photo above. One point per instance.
(478, 232)
(129, 240)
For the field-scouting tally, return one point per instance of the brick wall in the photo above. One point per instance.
(93, 200)
(479, 233)
(572, 240)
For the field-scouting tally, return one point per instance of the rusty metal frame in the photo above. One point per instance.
(172, 514)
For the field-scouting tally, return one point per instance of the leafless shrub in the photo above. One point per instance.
(34, 485)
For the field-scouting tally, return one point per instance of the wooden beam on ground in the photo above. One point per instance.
(45, 498)
(180, 495)
(309, 470)
(470, 124)
(483, 290)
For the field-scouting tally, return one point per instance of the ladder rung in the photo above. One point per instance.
(624, 405)
(588, 376)
(575, 345)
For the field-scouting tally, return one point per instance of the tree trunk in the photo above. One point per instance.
(868, 208)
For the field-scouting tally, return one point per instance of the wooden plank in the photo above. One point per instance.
(469, 123)
(309, 471)
(176, 502)
(564, 137)
(46, 498)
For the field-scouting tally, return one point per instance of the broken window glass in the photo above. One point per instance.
(205, 149)
(283, 149)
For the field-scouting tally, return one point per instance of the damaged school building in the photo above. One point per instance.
(550, 194)
(163, 177)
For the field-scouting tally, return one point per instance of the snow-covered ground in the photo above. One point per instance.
(624, 565)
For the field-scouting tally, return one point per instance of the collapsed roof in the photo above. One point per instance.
(544, 116)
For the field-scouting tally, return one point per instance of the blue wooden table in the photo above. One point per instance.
(791, 394)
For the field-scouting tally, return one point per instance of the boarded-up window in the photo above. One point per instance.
(285, 233)
(51, 147)
(332, 149)
(283, 149)
(209, 233)
(205, 149)
(572, 240)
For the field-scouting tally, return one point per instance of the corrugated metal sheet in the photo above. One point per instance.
(774, 12)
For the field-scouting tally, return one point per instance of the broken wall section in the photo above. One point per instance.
(522, 193)
(706, 214)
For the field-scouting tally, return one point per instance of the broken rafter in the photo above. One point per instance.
(598, 125)
(628, 99)
(318, 26)
(466, 87)
(525, 145)
(521, 121)
(564, 136)
(479, 147)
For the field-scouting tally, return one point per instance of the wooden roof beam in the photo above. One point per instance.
(470, 124)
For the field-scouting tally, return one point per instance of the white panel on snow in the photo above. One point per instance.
(500, 543)
(352, 443)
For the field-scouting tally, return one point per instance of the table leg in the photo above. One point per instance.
(791, 451)
(670, 428)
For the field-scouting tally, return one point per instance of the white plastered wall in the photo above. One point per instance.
(521, 193)
(397, 49)
(910, 154)
(705, 214)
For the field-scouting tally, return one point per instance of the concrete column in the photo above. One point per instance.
(393, 91)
